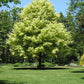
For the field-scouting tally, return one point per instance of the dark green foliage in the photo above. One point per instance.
(75, 17)
(15, 13)
(5, 27)
(76, 11)
(74, 23)
(63, 20)
(5, 2)
(7, 19)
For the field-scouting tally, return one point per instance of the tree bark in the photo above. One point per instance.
(39, 61)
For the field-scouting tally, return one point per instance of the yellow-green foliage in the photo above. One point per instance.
(82, 60)
(38, 31)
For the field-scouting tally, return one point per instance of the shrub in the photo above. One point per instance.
(73, 64)
(22, 64)
(25, 64)
(48, 64)
(17, 64)
(82, 60)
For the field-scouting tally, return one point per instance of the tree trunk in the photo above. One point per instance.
(39, 61)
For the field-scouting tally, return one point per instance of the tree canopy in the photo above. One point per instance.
(75, 16)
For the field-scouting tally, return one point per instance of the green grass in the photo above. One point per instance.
(54, 76)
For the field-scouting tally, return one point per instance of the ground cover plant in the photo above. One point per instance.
(58, 75)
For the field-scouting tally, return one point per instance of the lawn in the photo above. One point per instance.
(8, 75)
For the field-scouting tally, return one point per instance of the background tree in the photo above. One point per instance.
(67, 55)
(15, 14)
(75, 22)
(38, 34)
(76, 9)
(5, 2)
(7, 19)
(63, 19)
(4, 29)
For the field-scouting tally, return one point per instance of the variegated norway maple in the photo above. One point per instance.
(38, 33)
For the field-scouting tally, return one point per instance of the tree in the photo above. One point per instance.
(15, 14)
(38, 34)
(4, 29)
(6, 24)
(75, 21)
(76, 8)
(5, 2)
(63, 19)
(7, 19)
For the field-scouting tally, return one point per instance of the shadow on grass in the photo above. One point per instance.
(78, 71)
(82, 78)
(38, 68)
(7, 82)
